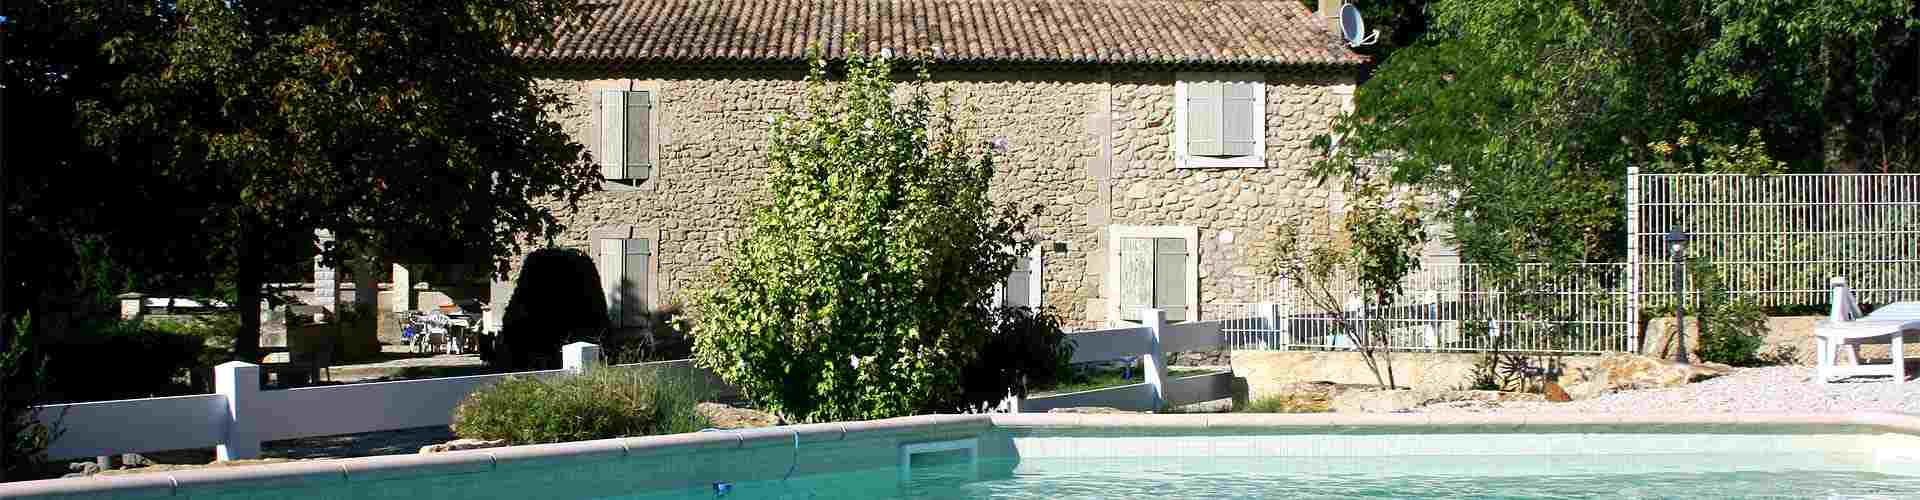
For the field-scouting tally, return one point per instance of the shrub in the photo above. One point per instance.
(863, 286)
(1028, 349)
(133, 359)
(556, 299)
(1732, 328)
(24, 435)
(600, 404)
(1285, 404)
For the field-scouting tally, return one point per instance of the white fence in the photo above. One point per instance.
(1778, 238)
(1580, 308)
(1150, 343)
(239, 416)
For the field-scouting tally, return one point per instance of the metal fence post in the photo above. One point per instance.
(1154, 361)
(1633, 259)
(240, 383)
(1269, 315)
(579, 357)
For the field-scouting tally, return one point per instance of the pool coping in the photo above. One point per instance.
(343, 472)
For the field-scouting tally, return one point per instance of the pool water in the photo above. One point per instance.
(1790, 475)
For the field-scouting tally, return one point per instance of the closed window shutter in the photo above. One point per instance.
(1136, 276)
(1170, 277)
(611, 264)
(639, 133)
(612, 153)
(1203, 118)
(1240, 123)
(635, 256)
(1016, 291)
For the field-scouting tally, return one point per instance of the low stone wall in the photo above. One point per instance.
(1265, 372)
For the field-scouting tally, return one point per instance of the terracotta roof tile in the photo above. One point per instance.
(1223, 32)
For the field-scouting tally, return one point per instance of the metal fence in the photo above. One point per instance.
(1778, 238)
(1451, 307)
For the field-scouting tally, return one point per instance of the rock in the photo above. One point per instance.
(1557, 394)
(1382, 401)
(1627, 371)
(1308, 397)
(1094, 410)
(134, 461)
(463, 444)
(727, 417)
(83, 468)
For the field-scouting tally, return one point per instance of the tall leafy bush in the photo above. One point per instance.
(599, 404)
(862, 287)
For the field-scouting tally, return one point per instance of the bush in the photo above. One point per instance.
(1028, 349)
(134, 359)
(863, 286)
(1733, 328)
(24, 435)
(600, 404)
(556, 299)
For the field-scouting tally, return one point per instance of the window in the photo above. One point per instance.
(1153, 266)
(1022, 286)
(1220, 120)
(626, 135)
(626, 275)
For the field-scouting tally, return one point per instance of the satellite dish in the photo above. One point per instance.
(1354, 28)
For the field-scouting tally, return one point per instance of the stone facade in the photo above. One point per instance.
(1092, 145)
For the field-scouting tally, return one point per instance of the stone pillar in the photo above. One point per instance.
(326, 289)
(240, 383)
(402, 289)
(133, 305)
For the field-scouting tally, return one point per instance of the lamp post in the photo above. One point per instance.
(1677, 240)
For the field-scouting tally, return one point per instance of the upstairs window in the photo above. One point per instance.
(1220, 120)
(626, 135)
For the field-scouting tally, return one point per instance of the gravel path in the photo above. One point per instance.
(1773, 389)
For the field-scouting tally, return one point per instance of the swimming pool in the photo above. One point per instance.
(1867, 455)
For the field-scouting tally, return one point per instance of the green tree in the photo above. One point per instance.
(405, 128)
(1527, 114)
(863, 286)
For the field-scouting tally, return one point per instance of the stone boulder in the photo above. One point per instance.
(1626, 371)
(463, 444)
(721, 416)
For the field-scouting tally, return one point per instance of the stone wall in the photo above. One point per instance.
(1093, 146)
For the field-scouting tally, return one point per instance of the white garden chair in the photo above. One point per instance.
(1845, 330)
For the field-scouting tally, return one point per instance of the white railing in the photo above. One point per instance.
(239, 416)
(1150, 343)
(1579, 308)
(1777, 238)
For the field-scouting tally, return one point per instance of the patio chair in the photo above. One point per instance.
(1846, 330)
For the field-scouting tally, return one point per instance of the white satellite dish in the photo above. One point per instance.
(1354, 28)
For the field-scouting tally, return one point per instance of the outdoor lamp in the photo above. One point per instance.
(1677, 240)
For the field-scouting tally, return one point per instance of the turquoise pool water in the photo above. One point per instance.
(1803, 475)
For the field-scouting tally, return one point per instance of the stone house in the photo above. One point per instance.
(1164, 137)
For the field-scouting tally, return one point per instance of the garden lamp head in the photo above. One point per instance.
(1677, 240)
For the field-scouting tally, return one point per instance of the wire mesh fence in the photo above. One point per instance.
(1449, 307)
(1779, 238)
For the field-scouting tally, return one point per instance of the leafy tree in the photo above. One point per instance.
(1527, 114)
(862, 288)
(1376, 250)
(405, 128)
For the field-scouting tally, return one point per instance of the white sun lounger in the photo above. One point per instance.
(1846, 329)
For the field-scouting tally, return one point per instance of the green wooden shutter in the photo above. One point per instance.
(1240, 121)
(635, 254)
(612, 153)
(611, 260)
(639, 133)
(1170, 277)
(1203, 118)
(1136, 276)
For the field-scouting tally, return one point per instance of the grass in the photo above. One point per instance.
(1101, 378)
(1284, 404)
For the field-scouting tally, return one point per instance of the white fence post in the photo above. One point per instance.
(579, 357)
(1154, 361)
(240, 383)
(1633, 259)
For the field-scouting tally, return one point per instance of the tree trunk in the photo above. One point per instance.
(248, 280)
(1841, 148)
